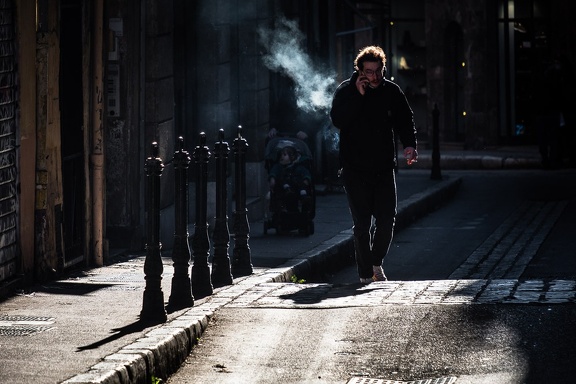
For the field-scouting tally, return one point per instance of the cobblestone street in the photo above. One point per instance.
(408, 292)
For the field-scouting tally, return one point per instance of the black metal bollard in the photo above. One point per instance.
(241, 259)
(153, 302)
(435, 174)
(181, 295)
(221, 272)
(201, 284)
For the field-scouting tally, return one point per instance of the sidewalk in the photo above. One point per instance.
(85, 328)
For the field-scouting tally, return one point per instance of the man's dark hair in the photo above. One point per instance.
(370, 53)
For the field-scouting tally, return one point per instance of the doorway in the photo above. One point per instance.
(72, 136)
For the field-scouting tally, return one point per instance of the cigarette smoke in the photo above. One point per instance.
(313, 88)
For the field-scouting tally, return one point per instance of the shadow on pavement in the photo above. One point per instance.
(71, 288)
(137, 326)
(315, 294)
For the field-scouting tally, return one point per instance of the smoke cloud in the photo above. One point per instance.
(313, 87)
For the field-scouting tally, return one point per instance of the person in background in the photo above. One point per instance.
(370, 111)
(290, 180)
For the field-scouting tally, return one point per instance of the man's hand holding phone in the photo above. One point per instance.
(361, 84)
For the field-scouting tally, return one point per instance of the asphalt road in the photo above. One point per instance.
(502, 227)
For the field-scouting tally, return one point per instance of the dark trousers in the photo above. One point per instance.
(371, 198)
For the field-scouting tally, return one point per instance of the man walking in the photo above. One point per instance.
(370, 111)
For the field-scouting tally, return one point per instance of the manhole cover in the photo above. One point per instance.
(128, 277)
(24, 325)
(125, 288)
(367, 380)
(22, 318)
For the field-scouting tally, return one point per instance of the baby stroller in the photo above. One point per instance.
(292, 204)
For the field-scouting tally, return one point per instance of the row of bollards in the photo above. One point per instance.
(201, 281)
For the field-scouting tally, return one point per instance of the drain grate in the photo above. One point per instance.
(367, 380)
(22, 318)
(22, 330)
(24, 325)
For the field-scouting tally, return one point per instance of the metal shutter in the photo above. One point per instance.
(8, 140)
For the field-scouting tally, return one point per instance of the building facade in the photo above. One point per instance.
(86, 86)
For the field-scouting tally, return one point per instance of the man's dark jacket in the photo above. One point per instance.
(368, 124)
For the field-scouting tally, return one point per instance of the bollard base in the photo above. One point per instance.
(221, 275)
(241, 258)
(153, 308)
(201, 284)
(242, 266)
(241, 271)
(181, 296)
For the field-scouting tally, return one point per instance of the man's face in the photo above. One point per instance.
(373, 71)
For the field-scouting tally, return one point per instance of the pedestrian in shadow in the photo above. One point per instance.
(369, 112)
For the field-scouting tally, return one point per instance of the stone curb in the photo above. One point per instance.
(158, 354)
(162, 350)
